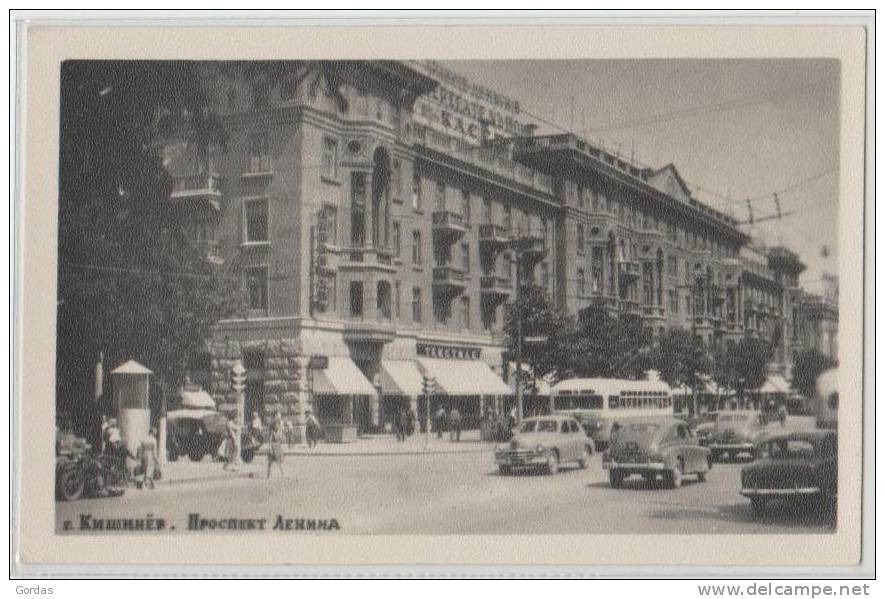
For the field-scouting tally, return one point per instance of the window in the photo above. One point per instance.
(465, 312)
(397, 239)
(580, 196)
(465, 207)
(672, 266)
(580, 239)
(545, 275)
(416, 304)
(256, 287)
(396, 298)
(328, 226)
(356, 299)
(596, 263)
(383, 299)
(255, 225)
(487, 211)
(582, 283)
(397, 180)
(416, 191)
(465, 257)
(595, 201)
(416, 248)
(259, 153)
(330, 159)
(674, 301)
(508, 219)
(440, 195)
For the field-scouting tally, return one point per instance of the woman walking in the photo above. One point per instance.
(275, 451)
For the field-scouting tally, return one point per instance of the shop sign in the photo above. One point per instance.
(468, 110)
(450, 352)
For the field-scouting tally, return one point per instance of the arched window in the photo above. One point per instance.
(380, 199)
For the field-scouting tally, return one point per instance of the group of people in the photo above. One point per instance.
(404, 423)
(146, 455)
(279, 433)
(452, 421)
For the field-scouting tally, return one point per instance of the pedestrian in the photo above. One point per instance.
(256, 427)
(287, 430)
(402, 425)
(147, 458)
(440, 422)
(454, 425)
(232, 443)
(312, 429)
(275, 451)
(782, 415)
(411, 422)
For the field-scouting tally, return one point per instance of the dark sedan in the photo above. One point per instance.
(793, 466)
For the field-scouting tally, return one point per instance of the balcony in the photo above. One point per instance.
(201, 191)
(448, 226)
(493, 237)
(628, 269)
(368, 331)
(448, 280)
(703, 322)
(495, 287)
(365, 258)
(630, 307)
(531, 247)
(654, 312)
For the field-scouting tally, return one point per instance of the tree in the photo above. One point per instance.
(605, 346)
(681, 358)
(807, 366)
(540, 319)
(743, 365)
(130, 283)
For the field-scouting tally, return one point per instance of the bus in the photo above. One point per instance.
(597, 403)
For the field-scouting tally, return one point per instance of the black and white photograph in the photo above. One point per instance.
(363, 297)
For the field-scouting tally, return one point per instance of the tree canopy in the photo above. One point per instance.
(807, 366)
(130, 282)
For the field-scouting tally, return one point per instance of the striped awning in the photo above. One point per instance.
(463, 377)
(342, 377)
(401, 377)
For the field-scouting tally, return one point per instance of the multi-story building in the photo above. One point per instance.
(369, 209)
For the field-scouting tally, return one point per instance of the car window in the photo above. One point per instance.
(576, 428)
(547, 426)
(784, 449)
(528, 426)
(564, 428)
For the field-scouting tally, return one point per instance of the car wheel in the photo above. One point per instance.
(196, 454)
(552, 462)
(247, 455)
(702, 477)
(758, 505)
(72, 484)
(504, 470)
(584, 461)
(615, 479)
(676, 476)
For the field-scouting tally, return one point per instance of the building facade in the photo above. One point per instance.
(369, 209)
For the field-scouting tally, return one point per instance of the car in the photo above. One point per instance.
(653, 447)
(737, 433)
(703, 427)
(195, 433)
(793, 466)
(596, 426)
(546, 442)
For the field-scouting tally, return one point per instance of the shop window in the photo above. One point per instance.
(582, 283)
(256, 287)
(259, 153)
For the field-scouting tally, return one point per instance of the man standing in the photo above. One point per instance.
(312, 429)
(440, 422)
(147, 457)
(455, 425)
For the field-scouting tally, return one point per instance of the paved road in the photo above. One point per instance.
(454, 494)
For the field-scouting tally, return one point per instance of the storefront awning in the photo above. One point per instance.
(342, 377)
(463, 377)
(775, 383)
(401, 377)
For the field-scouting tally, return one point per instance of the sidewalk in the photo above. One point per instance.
(184, 471)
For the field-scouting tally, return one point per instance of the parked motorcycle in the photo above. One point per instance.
(90, 474)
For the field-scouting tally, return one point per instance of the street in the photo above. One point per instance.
(453, 494)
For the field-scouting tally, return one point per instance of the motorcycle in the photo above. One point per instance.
(91, 474)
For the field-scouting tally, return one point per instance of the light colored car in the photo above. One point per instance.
(547, 442)
(738, 433)
(654, 447)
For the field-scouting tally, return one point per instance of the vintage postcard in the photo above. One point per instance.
(577, 295)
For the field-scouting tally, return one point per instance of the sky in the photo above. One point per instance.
(736, 128)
